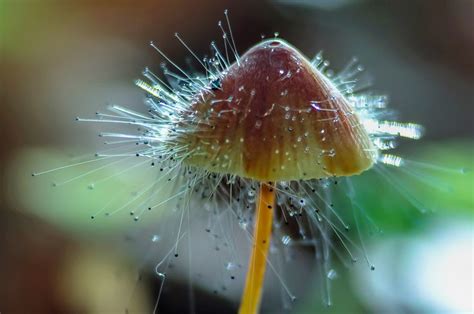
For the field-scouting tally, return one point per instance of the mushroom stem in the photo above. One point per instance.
(252, 295)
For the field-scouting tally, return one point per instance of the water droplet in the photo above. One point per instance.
(231, 266)
(332, 274)
(243, 224)
(325, 183)
(286, 239)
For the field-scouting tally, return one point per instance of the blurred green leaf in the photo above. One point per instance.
(437, 182)
(103, 186)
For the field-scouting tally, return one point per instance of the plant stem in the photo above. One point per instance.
(252, 295)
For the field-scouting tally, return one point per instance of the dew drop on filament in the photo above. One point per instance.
(286, 240)
(332, 274)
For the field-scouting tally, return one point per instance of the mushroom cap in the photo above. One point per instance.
(275, 117)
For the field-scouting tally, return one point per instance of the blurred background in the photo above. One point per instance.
(62, 59)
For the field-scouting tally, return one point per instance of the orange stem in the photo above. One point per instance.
(250, 302)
